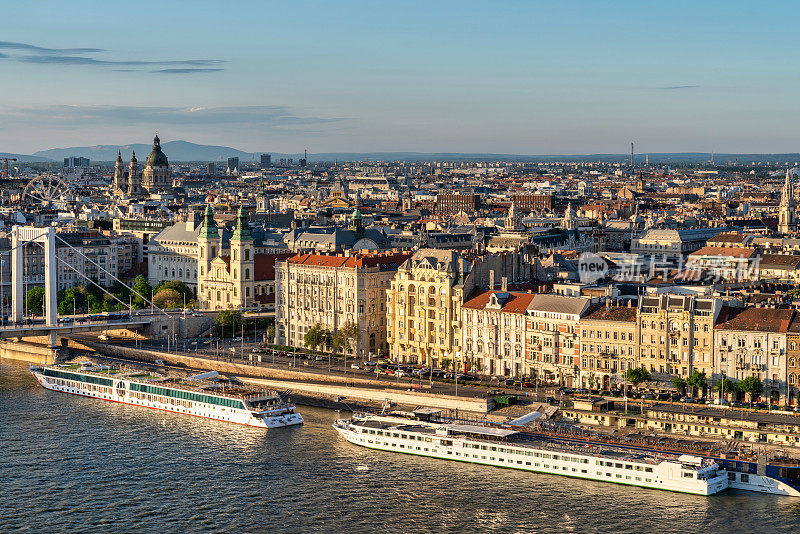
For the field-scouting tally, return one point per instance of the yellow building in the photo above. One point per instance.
(424, 307)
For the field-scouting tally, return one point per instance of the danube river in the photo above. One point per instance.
(73, 464)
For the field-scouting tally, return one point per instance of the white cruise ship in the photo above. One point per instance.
(198, 395)
(508, 448)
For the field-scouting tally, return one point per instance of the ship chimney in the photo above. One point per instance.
(504, 283)
(491, 279)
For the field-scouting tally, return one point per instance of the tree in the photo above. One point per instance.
(725, 386)
(183, 290)
(34, 299)
(751, 385)
(348, 336)
(446, 362)
(143, 288)
(228, 322)
(637, 375)
(72, 300)
(168, 298)
(679, 384)
(315, 336)
(271, 333)
(696, 380)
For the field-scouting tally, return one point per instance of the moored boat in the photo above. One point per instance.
(203, 395)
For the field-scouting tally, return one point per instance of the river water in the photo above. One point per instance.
(74, 464)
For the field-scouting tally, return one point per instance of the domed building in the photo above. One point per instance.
(156, 175)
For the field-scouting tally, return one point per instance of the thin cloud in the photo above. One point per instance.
(678, 87)
(81, 60)
(83, 56)
(264, 117)
(185, 71)
(42, 50)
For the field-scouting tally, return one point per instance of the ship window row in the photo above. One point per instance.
(78, 378)
(73, 384)
(188, 395)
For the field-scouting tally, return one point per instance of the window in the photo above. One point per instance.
(247, 274)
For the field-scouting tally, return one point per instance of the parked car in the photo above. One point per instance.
(400, 373)
(355, 366)
(318, 358)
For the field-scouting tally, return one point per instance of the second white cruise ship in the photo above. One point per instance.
(503, 447)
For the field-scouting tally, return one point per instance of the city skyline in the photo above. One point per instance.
(514, 78)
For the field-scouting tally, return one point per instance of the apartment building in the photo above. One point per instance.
(609, 344)
(552, 348)
(424, 307)
(493, 333)
(676, 333)
(753, 342)
(333, 291)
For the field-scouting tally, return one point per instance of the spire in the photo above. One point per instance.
(209, 228)
(156, 141)
(119, 156)
(133, 157)
(242, 231)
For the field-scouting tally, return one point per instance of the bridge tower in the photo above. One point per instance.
(20, 236)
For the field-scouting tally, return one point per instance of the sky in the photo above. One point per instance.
(527, 77)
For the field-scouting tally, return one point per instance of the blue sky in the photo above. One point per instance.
(522, 77)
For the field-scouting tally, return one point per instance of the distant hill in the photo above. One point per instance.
(175, 151)
(22, 158)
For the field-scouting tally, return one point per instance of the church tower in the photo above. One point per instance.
(119, 185)
(208, 244)
(242, 262)
(134, 178)
(786, 218)
(570, 222)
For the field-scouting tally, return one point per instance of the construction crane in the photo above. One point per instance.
(6, 160)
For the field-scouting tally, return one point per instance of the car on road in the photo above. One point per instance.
(355, 366)
(400, 373)
(318, 358)
(197, 314)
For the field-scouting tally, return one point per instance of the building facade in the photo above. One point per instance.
(335, 291)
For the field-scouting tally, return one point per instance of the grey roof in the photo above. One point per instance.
(559, 304)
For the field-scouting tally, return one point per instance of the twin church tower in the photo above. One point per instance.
(154, 177)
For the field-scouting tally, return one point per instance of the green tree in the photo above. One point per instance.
(637, 375)
(34, 299)
(752, 386)
(94, 303)
(228, 322)
(725, 386)
(271, 333)
(347, 337)
(679, 384)
(72, 300)
(313, 337)
(696, 381)
(143, 288)
(446, 363)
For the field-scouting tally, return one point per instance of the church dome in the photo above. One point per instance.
(157, 157)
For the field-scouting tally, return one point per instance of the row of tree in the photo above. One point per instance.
(91, 298)
(751, 385)
(343, 340)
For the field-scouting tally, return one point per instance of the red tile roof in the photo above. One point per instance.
(515, 303)
(755, 319)
(384, 260)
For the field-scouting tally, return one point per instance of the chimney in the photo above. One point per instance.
(491, 279)
(504, 282)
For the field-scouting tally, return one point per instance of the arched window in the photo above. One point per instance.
(213, 252)
(247, 254)
(247, 274)
(173, 272)
(234, 274)
(234, 254)
(180, 273)
(195, 272)
(791, 362)
(247, 291)
(792, 379)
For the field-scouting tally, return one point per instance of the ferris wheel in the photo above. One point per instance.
(47, 191)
